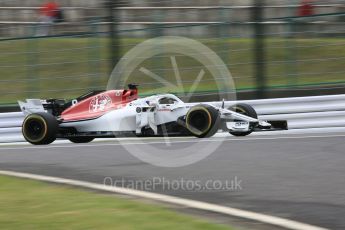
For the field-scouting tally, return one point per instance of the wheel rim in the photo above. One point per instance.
(34, 129)
(198, 121)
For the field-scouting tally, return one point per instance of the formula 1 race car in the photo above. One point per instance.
(116, 113)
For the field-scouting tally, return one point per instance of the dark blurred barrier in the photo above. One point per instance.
(259, 49)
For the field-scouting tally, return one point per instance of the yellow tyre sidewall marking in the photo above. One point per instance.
(236, 108)
(44, 123)
(209, 116)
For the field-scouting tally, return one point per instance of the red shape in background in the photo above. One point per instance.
(306, 8)
(49, 9)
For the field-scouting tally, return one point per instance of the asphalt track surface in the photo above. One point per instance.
(294, 176)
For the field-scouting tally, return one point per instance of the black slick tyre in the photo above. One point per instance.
(81, 139)
(40, 128)
(203, 120)
(244, 109)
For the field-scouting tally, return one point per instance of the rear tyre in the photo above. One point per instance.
(203, 120)
(244, 109)
(147, 132)
(40, 128)
(81, 139)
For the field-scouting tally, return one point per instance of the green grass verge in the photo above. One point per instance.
(27, 204)
(67, 67)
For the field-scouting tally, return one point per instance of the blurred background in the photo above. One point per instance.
(273, 48)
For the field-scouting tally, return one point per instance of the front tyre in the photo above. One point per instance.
(244, 109)
(203, 120)
(40, 128)
(79, 140)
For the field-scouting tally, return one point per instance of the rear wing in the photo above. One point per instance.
(52, 106)
(31, 106)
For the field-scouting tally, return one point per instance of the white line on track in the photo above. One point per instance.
(143, 142)
(272, 220)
